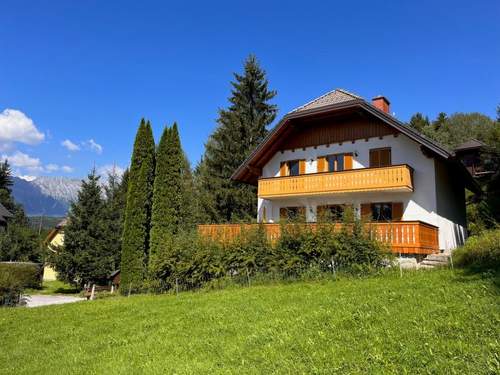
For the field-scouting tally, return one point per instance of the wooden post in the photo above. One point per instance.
(92, 294)
(112, 288)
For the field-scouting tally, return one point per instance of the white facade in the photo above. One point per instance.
(436, 199)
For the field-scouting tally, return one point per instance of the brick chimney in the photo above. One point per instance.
(381, 103)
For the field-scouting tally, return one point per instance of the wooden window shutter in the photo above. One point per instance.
(374, 158)
(302, 166)
(283, 169)
(397, 211)
(348, 161)
(322, 165)
(366, 211)
(385, 157)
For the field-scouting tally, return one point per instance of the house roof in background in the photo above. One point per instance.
(470, 145)
(4, 213)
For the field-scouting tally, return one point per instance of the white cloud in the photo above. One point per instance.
(52, 167)
(15, 126)
(94, 146)
(67, 169)
(70, 145)
(22, 160)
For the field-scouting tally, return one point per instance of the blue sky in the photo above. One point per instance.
(88, 71)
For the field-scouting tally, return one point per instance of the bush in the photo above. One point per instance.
(481, 252)
(301, 250)
(28, 275)
(14, 278)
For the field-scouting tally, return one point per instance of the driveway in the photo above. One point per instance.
(41, 300)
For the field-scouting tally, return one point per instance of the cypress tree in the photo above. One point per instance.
(135, 245)
(241, 127)
(168, 193)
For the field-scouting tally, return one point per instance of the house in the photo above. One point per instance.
(339, 150)
(54, 239)
(470, 154)
(4, 215)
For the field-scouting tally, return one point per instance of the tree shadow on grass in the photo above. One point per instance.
(466, 275)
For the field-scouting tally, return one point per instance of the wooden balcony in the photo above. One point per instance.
(393, 178)
(404, 237)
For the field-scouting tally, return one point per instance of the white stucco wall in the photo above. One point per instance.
(421, 204)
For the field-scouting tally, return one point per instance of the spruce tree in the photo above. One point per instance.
(135, 242)
(84, 257)
(168, 211)
(241, 127)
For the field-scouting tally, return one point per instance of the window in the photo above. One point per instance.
(333, 212)
(293, 213)
(380, 157)
(334, 163)
(293, 168)
(381, 211)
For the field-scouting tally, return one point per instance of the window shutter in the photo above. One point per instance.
(322, 164)
(302, 167)
(385, 157)
(348, 161)
(283, 169)
(397, 211)
(366, 211)
(374, 158)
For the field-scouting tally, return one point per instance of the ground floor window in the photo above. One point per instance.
(293, 213)
(331, 212)
(381, 211)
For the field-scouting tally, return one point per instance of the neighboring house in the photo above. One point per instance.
(339, 150)
(54, 239)
(470, 154)
(4, 215)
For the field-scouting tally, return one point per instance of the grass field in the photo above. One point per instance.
(426, 322)
(53, 287)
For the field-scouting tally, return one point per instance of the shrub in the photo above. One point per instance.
(481, 252)
(28, 275)
(14, 278)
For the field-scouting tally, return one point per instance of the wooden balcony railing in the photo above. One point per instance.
(396, 178)
(404, 237)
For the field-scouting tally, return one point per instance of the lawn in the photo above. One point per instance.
(425, 322)
(53, 287)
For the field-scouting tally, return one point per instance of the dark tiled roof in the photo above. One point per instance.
(4, 213)
(333, 97)
(473, 143)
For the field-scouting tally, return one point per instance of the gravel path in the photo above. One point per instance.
(41, 300)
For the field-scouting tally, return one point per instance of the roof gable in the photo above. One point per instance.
(332, 97)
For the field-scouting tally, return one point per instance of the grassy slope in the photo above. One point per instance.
(53, 287)
(429, 322)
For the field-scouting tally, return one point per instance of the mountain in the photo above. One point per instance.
(48, 196)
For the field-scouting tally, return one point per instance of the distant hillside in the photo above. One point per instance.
(48, 196)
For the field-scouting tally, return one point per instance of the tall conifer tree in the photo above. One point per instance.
(241, 127)
(168, 209)
(135, 245)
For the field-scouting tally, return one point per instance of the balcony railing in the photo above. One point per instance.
(394, 178)
(404, 237)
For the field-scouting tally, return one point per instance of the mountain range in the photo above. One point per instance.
(47, 196)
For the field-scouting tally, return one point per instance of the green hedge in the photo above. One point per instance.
(196, 261)
(481, 252)
(27, 275)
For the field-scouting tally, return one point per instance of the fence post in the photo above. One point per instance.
(92, 293)
(333, 270)
(176, 286)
